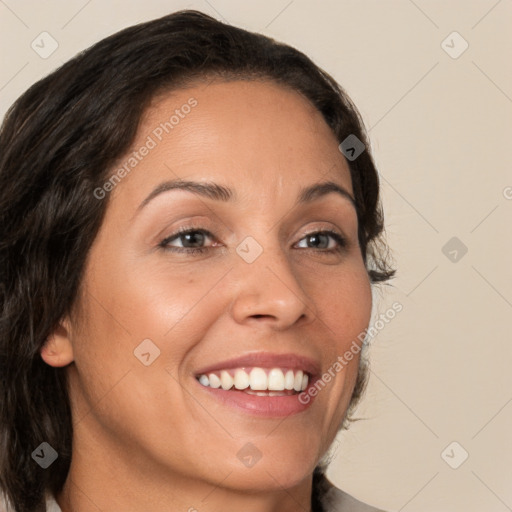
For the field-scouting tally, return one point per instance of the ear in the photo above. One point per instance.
(57, 350)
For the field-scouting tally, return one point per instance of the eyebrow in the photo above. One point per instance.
(218, 192)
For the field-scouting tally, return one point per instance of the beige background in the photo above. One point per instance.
(441, 131)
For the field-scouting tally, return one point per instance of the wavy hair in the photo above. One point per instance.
(58, 143)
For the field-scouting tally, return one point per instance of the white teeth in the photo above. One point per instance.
(214, 380)
(297, 383)
(260, 381)
(265, 393)
(241, 379)
(305, 380)
(289, 379)
(257, 393)
(226, 381)
(276, 379)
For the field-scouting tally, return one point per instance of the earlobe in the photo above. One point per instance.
(57, 350)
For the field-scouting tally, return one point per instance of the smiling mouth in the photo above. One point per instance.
(257, 381)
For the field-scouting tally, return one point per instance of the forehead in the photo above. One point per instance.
(257, 135)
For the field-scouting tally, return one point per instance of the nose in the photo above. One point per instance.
(268, 290)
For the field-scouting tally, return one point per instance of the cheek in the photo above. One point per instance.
(346, 311)
(144, 321)
(140, 403)
(344, 304)
(350, 317)
(155, 301)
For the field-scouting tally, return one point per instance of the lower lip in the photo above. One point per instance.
(267, 406)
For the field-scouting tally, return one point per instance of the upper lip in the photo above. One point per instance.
(266, 360)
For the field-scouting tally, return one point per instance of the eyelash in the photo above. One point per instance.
(342, 242)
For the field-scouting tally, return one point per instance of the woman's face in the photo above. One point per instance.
(254, 287)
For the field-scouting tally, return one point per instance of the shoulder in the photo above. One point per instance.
(336, 500)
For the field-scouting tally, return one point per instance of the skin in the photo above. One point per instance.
(148, 437)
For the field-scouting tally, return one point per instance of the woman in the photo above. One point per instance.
(190, 231)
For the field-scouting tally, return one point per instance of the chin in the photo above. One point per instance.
(276, 468)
